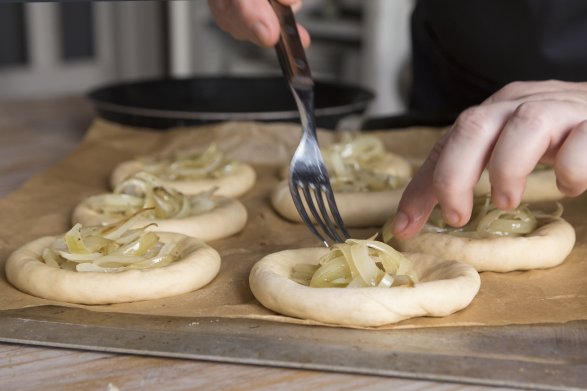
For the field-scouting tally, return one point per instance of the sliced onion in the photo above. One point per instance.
(488, 221)
(145, 191)
(74, 240)
(355, 164)
(114, 248)
(188, 165)
(357, 263)
(335, 270)
(517, 222)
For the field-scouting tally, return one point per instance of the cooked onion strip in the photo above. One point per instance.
(145, 191)
(488, 221)
(355, 164)
(357, 263)
(111, 248)
(188, 165)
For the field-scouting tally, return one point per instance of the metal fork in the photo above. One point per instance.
(309, 183)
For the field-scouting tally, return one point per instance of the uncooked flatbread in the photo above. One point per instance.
(234, 184)
(546, 247)
(358, 209)
(226, 219)
(444, 287)
(199, 264)
(540, 186)
(394, 165)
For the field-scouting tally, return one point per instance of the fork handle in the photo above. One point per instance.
(289, 48)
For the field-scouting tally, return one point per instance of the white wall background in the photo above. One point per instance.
(373, 53)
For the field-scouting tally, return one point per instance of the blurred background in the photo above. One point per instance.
(59, 49)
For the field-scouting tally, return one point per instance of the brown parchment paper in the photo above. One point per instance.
(43, 205)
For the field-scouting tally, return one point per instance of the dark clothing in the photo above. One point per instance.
(465, 50)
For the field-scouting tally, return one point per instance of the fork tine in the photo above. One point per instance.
(319, 195)
(319, 219)
(307, 166)
(295, 195)
(335, 214)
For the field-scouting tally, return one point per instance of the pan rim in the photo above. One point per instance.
(365, 97)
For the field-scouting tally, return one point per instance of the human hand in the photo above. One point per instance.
(253, 20)
(522, 124)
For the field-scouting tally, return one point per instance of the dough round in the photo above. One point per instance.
(540, 186)
(358, 209)
(197, 267)
(444, 287)
(394, 165)
(547, 246)
(226, 219)
(235, 184)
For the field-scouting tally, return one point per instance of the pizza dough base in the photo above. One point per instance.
(394, 165)
(234, 184)
(540, 186)
(26, 271)
(358, 209)
(226, 219)
(546, 247)
(444, 287)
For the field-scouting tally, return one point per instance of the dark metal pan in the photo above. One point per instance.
(410, 118)
(166, 103)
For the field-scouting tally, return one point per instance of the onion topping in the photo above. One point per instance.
(111, 248)
(144, 191)
(358, 164)
(357, 263)
(488, 221)
(184, 165)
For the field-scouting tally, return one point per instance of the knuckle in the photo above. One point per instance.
(445, 185)
(435, 153)
(471, 123)
(529, 111)
(513, 87)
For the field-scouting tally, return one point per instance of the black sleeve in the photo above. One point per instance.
(464, 50)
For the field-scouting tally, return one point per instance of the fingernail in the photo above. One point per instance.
(452, 217)
(261, 32)
(400, 222)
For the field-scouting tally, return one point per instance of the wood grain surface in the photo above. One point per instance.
(34, 135)
(27, 368)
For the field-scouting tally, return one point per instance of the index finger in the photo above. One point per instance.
(252, 20)
(451, 171)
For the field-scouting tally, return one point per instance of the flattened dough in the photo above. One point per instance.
(546, 247)
(197, 267)
(235, 184)
(444, 287)
(226, 219)
(394, 165)
(540, 186)
(358, 209)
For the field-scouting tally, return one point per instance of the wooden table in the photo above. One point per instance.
(34, 135)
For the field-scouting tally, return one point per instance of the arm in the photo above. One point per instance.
(252, 20)
(522, 124)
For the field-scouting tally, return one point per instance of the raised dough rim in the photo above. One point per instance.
(225, 206)
(347, 206)
(203, 257)
(241, 180)
(527, 244)
(272, 289)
